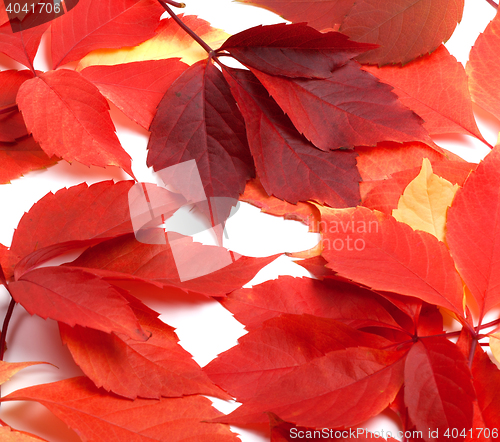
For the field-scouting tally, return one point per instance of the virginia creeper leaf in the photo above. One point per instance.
(404, 29)
(125, 258)
(169, 41)
(131, 368)
(68, 219)
(279, 347)
(22, 46)
(473, 220)
(443, 103)
(349, 108)
(288, 166)
(438, 387)
(365, 381)
(483, 59)
(294, 50)
(69, 118)
(425, 201)
(9, 369)
(198, 119)
(21, 157)
(328, 299)
(304, 212)
(374, 249)
(74, 297)
(97, 415)
(94, 24)
(136, 88)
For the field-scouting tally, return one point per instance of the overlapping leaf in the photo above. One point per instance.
(94, 24)
(100, 416)
(130, 368)
(136, 88)
(288, 166)
(349, 108)
(69, 118)
(9, 369)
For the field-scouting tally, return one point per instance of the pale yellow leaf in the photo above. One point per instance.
(495, 345)
(170, 41)
(425, 201)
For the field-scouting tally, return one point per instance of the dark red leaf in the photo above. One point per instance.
(99, 416)
(438, 388)
(131, 368)
(294, 50)
(136, 88)
(349, 108)
(198, 119)
(74, 297)
(94, 24)
(288, 166)
(63, 102)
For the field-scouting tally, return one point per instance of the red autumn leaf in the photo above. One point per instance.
(443, 103)
(376, 250)
(349, 108)
(74, 297)
(303, 212)
(198, 119)
(381, 161)
(483, 61)
(9, 369)
(125, 258)
(288, 166)
(68, 219)
(365, 382)
(130, 368)
(94, 24)
(471, 232)
(98, 416)
(21, 157)
(437, 380)
(22, 46)
(329, 299)
(278, 348)
(69, 118)
(295, 50)
(136, 88)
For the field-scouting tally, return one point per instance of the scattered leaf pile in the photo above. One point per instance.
(328, 123)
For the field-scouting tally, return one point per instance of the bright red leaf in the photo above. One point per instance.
(294, 50)
(63, 102)
(437, 379)
(471, 232)
(130, 368)
(483, 60)
(74, 297)
(443, 103)
(95, 24)
(136, 88)
(98, 416)
(376, 250)
(288, 166)
(349, 108)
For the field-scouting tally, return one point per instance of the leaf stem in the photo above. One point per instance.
(492, 3)
(187, 29)
(5, 326)
(9, 108)
(489, 324)
(175, 4)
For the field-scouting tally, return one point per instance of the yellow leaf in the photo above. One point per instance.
(170, 41)
(495, 345)
(425, 201)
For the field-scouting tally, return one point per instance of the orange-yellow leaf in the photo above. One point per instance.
(425, 201)
(8, 434)
(9, 369)
(495, 345)
(170, 41)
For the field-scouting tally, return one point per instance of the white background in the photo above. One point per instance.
(205, 328)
